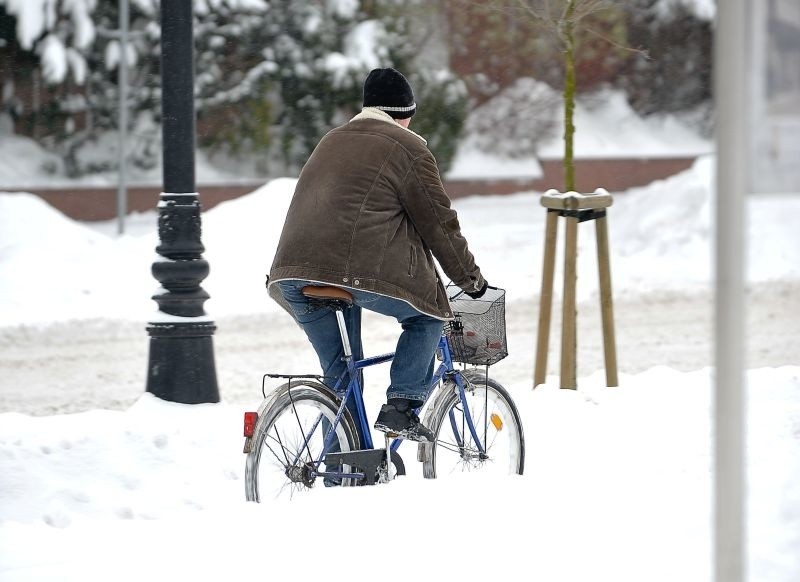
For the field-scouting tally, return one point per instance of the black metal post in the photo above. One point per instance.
(181, 364)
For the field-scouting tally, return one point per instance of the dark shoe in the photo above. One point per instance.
(404, 424)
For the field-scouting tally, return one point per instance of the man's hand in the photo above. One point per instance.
(478, 294)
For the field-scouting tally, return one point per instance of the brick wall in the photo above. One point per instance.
(86, 203)
(613, 175)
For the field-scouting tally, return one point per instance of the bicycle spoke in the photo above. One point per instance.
(448, 446)
(299, 424)
(486, 437)
(280, 442)
(283, 448)
(294, 434)
(486, 419)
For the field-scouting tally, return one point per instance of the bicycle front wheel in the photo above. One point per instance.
(289, 437)
(485, 435)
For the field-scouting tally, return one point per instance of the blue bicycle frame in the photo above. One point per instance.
(445, 368)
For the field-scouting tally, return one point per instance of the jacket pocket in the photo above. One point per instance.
(412, 260)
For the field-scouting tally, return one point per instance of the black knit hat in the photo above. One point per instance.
(389, 91)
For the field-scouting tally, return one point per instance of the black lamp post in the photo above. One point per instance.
(181, 363)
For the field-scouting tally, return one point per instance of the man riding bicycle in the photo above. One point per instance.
(369, 214)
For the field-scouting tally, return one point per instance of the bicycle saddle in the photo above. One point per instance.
(327, 293)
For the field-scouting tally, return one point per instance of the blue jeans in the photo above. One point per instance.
(412, 367)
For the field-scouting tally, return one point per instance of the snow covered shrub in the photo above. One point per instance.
(512, 123)
(675, 74)
(271, 77)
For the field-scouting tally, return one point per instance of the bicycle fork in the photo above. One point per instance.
(459, 436)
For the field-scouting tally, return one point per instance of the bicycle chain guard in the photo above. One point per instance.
(367, 460)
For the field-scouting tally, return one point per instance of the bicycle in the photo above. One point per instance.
(303, 431)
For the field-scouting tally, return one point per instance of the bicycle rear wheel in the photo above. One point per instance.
(496, 422)
(289, 437)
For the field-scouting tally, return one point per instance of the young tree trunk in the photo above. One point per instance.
(568, 34)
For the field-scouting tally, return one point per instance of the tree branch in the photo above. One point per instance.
(614, 43)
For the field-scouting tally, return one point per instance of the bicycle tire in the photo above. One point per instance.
(505, 450)
(285, 420)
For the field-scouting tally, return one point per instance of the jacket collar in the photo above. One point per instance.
(375, 113)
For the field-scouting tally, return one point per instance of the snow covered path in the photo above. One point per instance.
(103, 363)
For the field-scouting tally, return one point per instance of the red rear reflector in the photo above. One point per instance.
(250, 419)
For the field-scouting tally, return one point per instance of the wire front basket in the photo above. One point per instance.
(477, 334)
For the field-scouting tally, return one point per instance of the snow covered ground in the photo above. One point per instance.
(99, 480)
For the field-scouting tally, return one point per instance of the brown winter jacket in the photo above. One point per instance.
(370, 212)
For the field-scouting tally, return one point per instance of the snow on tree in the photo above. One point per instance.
(700, 9)
(275, 80)
(675, 74)
(514, 121)
(58, 31)
(308, 62)
(271, 75)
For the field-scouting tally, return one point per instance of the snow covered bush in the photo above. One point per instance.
(312, 59)
(57, 31)
(271, 76)
(512, 123)
(674, 73)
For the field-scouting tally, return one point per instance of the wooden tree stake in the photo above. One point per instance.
(546, 297)
(575, 208)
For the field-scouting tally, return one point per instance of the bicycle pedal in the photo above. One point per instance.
(368, 460)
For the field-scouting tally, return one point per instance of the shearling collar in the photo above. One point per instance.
(375, 113)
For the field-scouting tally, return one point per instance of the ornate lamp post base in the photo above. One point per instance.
(182, 365)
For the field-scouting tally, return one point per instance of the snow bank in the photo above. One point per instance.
(661, 239)
(623, 474)
(607, 127)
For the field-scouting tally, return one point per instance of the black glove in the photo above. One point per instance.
(478, 294)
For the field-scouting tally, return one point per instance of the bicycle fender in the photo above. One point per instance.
(443, 391)
(447, 387)
(277, 392)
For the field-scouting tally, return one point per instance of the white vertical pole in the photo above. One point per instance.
(731, 41)
(122, 84)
